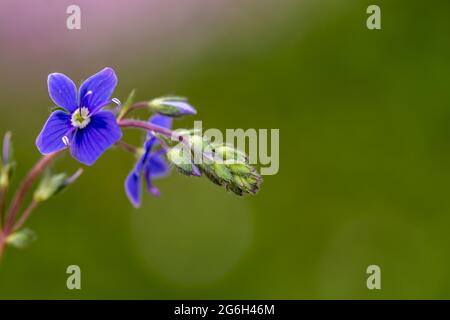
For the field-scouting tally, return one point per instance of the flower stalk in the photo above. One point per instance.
(20, 195)
(83, 125)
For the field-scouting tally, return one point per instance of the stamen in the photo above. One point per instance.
(84, 101)
(65, 140)
(81, 118)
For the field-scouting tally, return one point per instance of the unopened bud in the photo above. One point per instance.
(21, 239)
(51, 185)
(240, 169)
(181, 158)
(222, 172)
(7, 149)
(230, 154)
(172, 106)
(6, 172)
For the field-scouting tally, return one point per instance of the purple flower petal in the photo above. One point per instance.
(148, 179)
(157, 165)
(101, 133)
(63, 91)
(6, 150)
(100, 86)
(133, 189)
(160, 120)
(57, 126)
(196, 171)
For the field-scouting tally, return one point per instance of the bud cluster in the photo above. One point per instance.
(222, 164)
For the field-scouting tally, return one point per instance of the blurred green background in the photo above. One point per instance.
(364, 149)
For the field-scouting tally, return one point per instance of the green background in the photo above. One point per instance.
(364, 156)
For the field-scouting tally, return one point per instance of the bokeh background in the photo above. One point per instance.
(365, 149)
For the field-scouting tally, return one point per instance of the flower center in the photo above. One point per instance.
(80, 118)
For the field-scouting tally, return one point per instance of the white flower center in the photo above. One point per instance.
(80, 118)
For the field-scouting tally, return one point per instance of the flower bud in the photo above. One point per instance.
(180, 158)
(241, 169)
(7, 164)
(172, 106)
(222, 172)
(21, 239)
(230, 154)
(53, 184)
(7, 149)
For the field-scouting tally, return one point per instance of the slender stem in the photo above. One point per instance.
(133, 107)
(3, 192)
(126, 146)
(2, 244)
(26, 214)
(146, 126)
(34, 173)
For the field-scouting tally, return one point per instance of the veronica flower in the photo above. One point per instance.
(151, 164)
(80, 121)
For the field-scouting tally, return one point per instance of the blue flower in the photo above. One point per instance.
(81, 125)
(151, 164)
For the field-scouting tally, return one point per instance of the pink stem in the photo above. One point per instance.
(146, 126)
(34, 173)
(26, 214)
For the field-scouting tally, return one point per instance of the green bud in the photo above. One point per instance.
(53, 184)
(49, 186)
(211, 175)
(6, 172)
(222, 172)
(241, 169)
(236, 190)
(228, 153)
(180, 158)
(200, 147)
(21, 239)
(171, 106)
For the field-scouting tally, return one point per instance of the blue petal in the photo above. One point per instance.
(133, 189)
(63, 91)
(100, 87)
(141, 162)
(183, 107)
(148, 179)
(57, 126)
(100, 134)
(162, 121)
(157, 165)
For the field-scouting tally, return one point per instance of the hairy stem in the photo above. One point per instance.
(146, 126)
(26, 184)
(26, 214)
(126, 146)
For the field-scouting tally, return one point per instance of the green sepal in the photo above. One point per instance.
(180, 158)
(21, 239)
(50, 185)
(127, 104)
